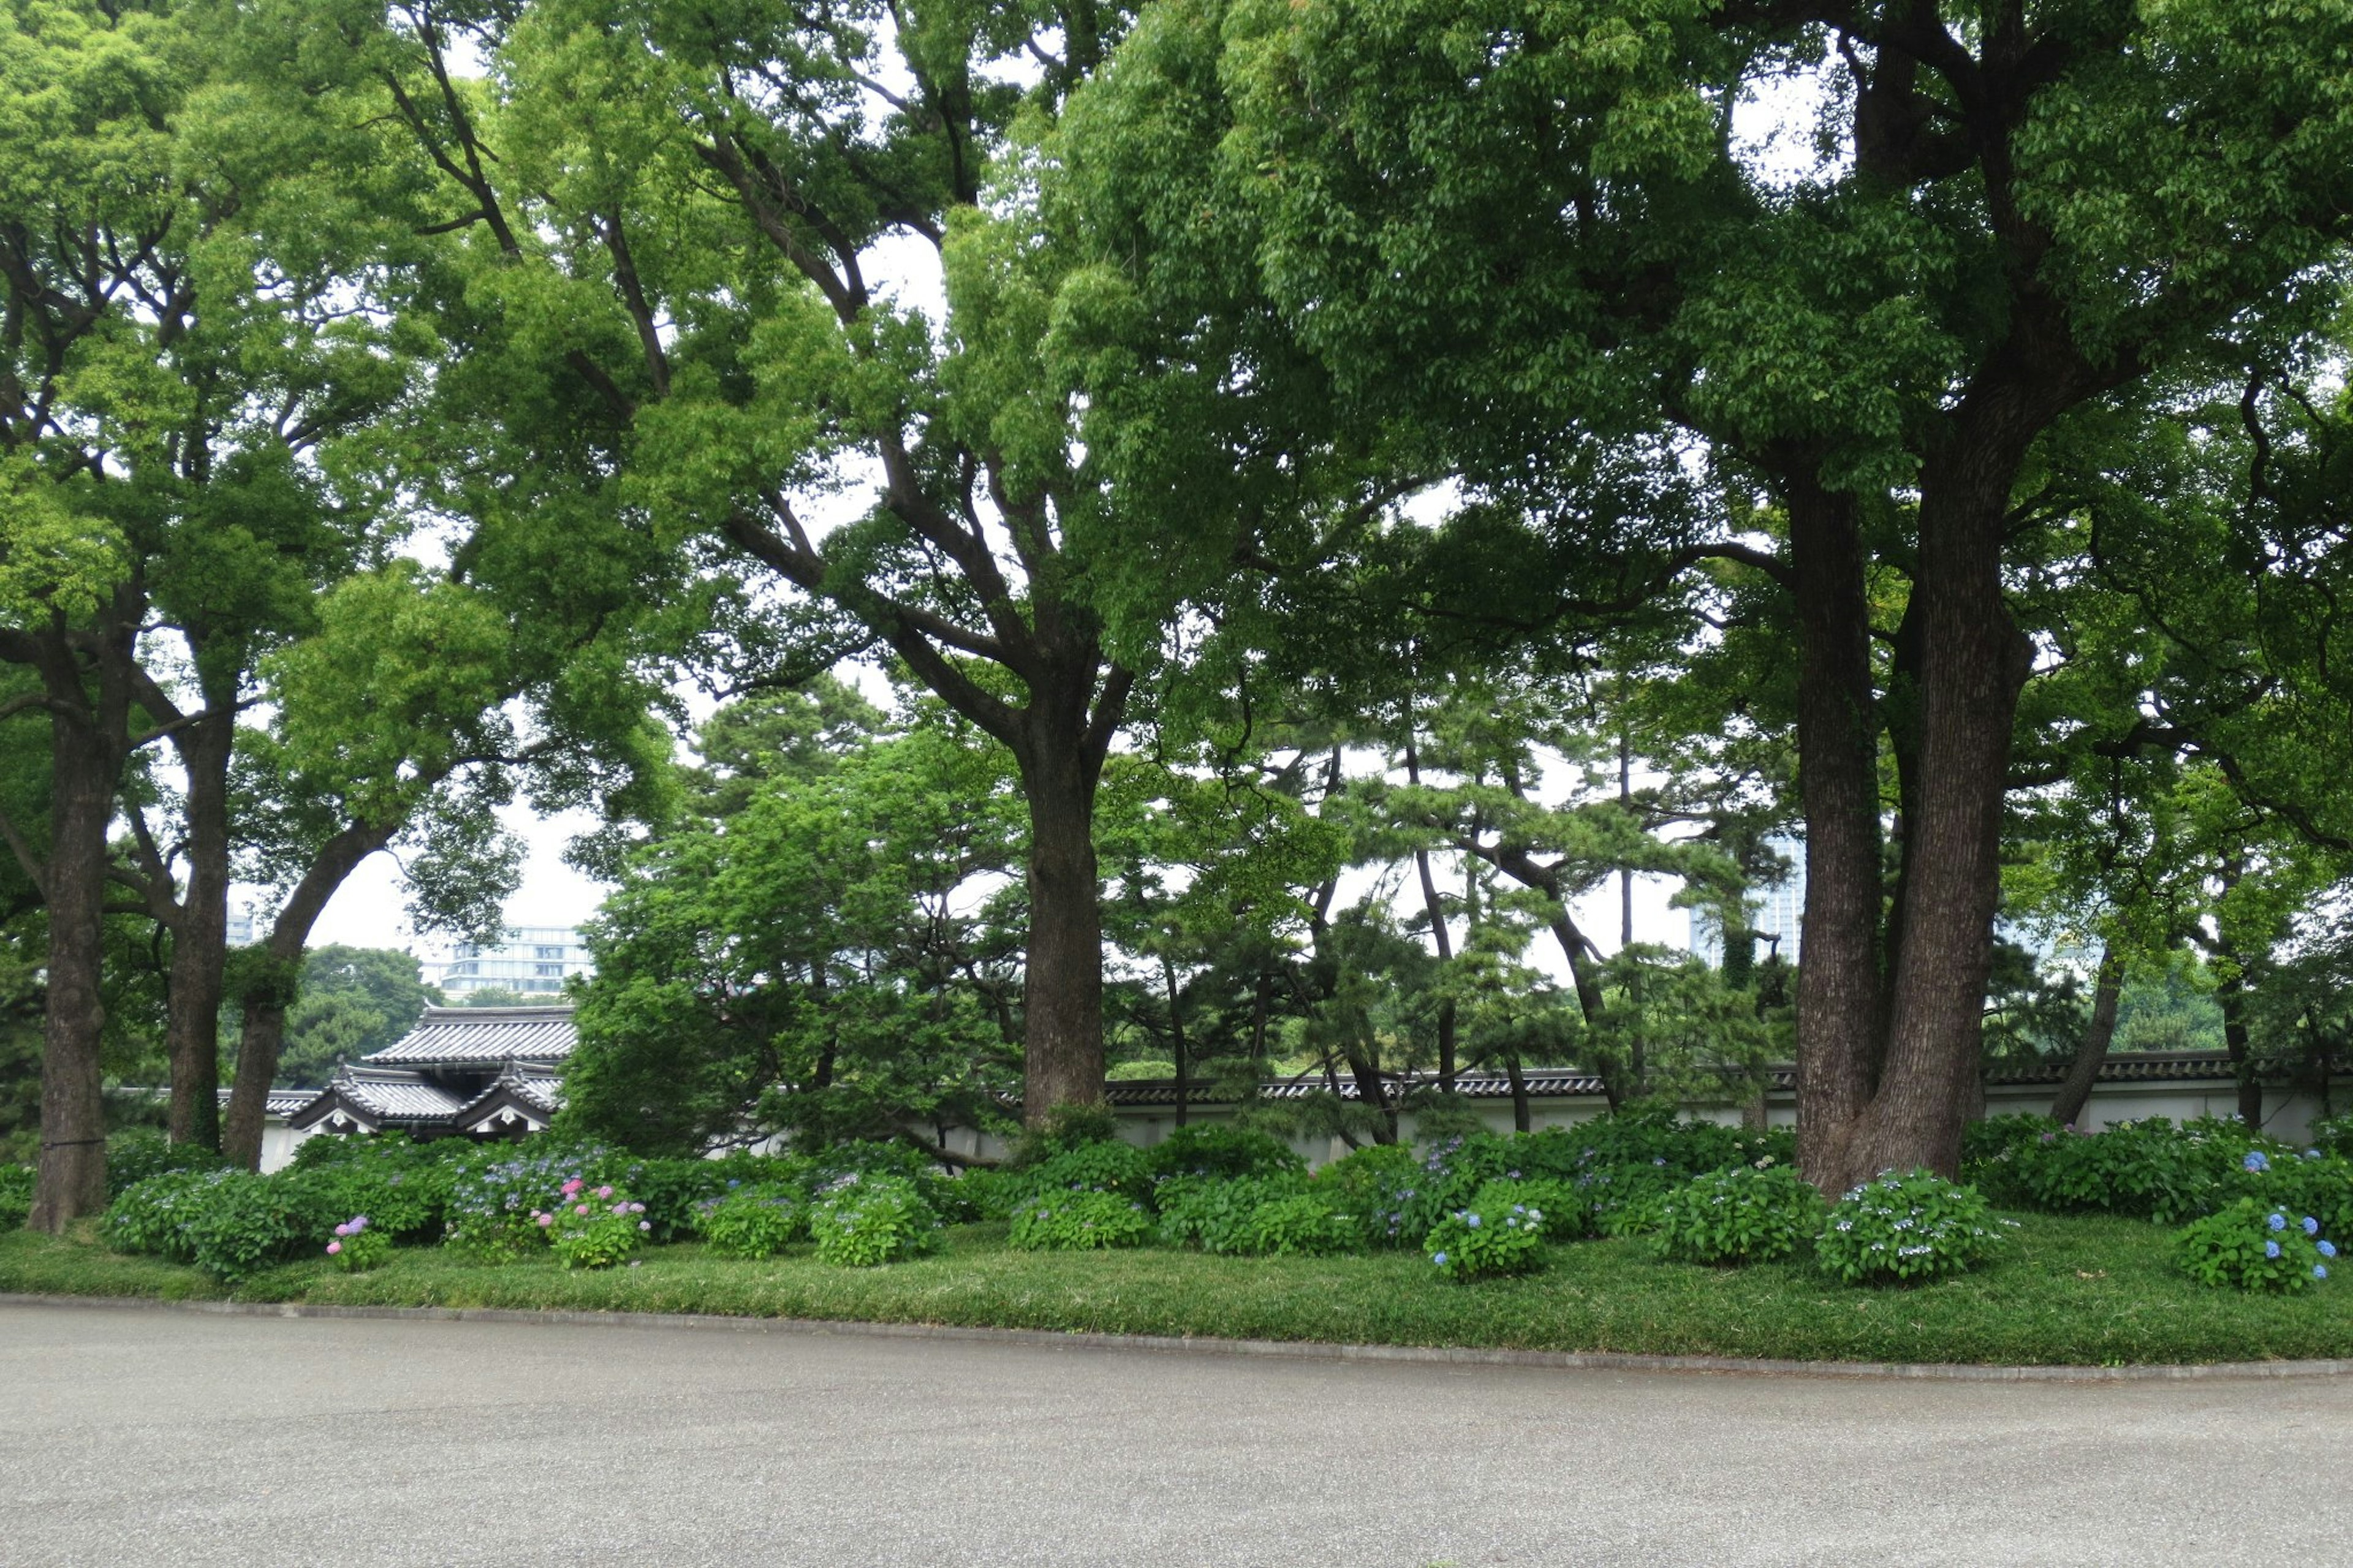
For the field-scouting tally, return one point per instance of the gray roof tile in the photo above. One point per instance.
(450, 1036)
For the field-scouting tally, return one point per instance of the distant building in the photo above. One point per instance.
(240, 926)
(483, 1073)
(1777, 911)
(534, 961)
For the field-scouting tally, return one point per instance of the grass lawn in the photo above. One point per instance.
(2070, 1291)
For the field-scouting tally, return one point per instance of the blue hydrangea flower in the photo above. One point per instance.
(2270, 1249)
(2320, 1271)
(2256, 1161)
(2311, 1225)
(2312, 1153)
(1471, 1220)
(1440, 1260)
(2278, 1222)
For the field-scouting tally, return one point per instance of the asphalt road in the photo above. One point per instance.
(136, 1437)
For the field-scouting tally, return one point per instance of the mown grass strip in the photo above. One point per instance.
(2072, 1291)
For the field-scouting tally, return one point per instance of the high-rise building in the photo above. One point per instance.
(534, 961)
(1774, 912)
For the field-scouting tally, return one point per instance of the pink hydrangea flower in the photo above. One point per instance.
(636, 1208)
(571, 1186)
(547, 1219)
(645, 1225)
(334, 1247)
(343, 1230)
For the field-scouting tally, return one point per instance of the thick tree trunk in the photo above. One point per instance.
(1063, 1053)
(200, 936)
(1898, 1100)
(2076, 1089)
(71, 1173)
(1838, 765)
(272, 990)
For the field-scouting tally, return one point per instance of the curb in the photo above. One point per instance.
(1276, 1350)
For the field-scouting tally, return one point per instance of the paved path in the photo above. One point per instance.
(151, 1437)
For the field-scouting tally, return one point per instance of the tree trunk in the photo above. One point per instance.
(2231, 995)
(269, 993)
(71, 1177)
(1062, 1054)
(1519, 1092)
(1838, 763)
(1445, 945)
(2076, 1091)
(200, 936)
(1176, 1054)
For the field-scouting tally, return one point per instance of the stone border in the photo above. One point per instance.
(1280, 1349)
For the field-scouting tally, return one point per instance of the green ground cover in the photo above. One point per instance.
(2091, 1290)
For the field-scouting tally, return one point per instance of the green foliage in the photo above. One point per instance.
(756, 1221)
(1223, 1151)
(1216, 1214)
(1299, 1223)
(154, 1215)
(2334, 1135)
(862, 1220)
(1079, 1220)
(1108, 1167)
(134, 1156)
(1375, 1184)
(595, 1227)
(497, 1192)
(1740, 1215)
(1901, 1229)
(360, 1245)
(671, 1189)
(403, 1188)
(352, 1000)
(228, 1224)
(1497, 1233)
(15, 1195)
(2311, 1184)
(2145, 1169)
(1065, 1128)
(2255, 1246)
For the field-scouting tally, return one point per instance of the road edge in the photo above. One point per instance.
(1278, 1349)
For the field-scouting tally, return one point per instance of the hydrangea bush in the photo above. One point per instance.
(1080, 1222)
(1494, 1234)
(864, 1220)
(592, 1227)
(1229, 1152)
(2255, 1246)
(1737, 1215)
(1377, 1186)
(498, 1194)
(359, 1245)
(1113, 1167)
(1905, 1228)
(755, 1221)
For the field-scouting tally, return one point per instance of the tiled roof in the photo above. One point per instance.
(397, 1099)
(1548, 1083)
(452, 1037)
(537, 1094)
(282, 1101)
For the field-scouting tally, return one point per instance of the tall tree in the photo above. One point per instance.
(1532, 235)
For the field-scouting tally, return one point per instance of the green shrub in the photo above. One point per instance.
(1227, 1151)
(134, 1155)
(1121, 1168)
(405, 1199)
(982, 1193)
(2333, 1135)
(861, 1221)
(2142, 1170)
(594, 1227)
(1494, 1235)
(1740, 1215)
(2311, 1184)
(497, 1190)
(2255, 1246)
(15, 1195)
(1375, 1184)
(1213, 1214)
(756, 1221)
(1080, 1222)
(360, 1245)
(1903, 1228)
(672, 1188)
(238, 1223)
(155, 1215)
(1066, 1127)
(1299, 1223)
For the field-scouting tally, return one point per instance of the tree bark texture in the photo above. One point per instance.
(200, 935)
(2231, 994)
(72, 1172)
(1873, 1099)
(2076, 1089)
(1061, 988)
(272, 993)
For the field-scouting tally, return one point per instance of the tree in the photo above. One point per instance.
(354, 1001)
(1536, 242)
(824, 950)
